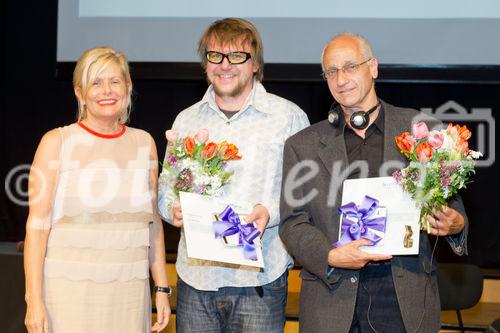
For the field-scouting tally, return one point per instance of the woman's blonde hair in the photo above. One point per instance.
(90, 64)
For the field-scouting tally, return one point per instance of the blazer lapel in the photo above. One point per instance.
(334, 150)
(333, 155)
(392, 128)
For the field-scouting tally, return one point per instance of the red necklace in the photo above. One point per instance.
(104, 136)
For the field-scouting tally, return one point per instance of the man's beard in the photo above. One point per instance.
(232, 93)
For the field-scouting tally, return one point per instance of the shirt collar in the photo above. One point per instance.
(255, 100)
(379, 122)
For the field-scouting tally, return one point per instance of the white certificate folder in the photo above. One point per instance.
(402, 231)
(198, 215)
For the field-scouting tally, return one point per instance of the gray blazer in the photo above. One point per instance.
(309, 229)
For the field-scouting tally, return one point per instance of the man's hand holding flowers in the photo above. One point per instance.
(445, 222)
(195, 165)
(177, 214)
(441, 163)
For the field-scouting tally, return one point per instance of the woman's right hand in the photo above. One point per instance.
(36, 318)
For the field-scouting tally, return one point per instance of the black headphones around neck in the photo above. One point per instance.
(359, 119)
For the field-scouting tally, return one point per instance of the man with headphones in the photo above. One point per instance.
(345, 289)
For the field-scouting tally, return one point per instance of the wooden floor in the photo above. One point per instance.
(478, 318)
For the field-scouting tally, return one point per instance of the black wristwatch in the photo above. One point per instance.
(166, 290)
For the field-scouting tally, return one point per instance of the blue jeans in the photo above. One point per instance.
(232, 309)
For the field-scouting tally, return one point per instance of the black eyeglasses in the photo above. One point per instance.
(348, 69)
(234, 58)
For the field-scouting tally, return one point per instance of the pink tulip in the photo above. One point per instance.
(171, 135)
(419, 130)
(436, 139)
(201, 136)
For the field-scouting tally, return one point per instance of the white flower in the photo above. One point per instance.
(448, 143)
(201, 180)
(215, 191)
(190, 164)
(475, 154)
(215, 182)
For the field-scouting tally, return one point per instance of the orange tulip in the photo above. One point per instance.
(405, 142)
(209, 151)
(189, 145)
(231, 153)
(228, 151)
(424, 152)
(462, 131)
(462, 146)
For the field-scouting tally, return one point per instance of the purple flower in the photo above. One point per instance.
(411, 174)
(445, 182)
(184, 180)
(200, 189)
(448, 168)
(172, 160)
(397, 175)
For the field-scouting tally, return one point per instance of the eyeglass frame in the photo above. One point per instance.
(248, 55)
(355, 68)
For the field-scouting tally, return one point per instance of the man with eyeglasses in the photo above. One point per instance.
(211, 296)
(345, 289)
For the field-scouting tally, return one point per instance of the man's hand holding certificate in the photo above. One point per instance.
(377, 209)
(216, 231)
(244, 234)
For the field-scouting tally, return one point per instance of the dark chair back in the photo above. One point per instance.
(460, 287)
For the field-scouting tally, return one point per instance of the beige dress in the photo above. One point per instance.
(96, 266)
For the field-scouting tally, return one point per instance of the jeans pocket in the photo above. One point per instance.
(279, 284)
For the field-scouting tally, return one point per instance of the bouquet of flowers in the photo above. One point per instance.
(192, 164)
(441, 163)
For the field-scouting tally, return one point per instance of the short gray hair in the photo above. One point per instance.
(363, 43)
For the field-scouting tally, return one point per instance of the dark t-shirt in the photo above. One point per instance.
(369, 149)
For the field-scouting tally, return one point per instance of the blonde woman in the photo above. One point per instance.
(93, 232)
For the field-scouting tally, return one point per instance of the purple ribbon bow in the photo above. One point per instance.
(229, 224)
(359, 224)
